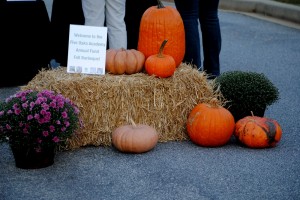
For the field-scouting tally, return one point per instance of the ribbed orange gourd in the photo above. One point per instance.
(258, 132)
(160, 22)
(121, 61)
(161, 65)
(210, 125)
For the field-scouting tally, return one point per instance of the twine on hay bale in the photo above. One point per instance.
(109, 101)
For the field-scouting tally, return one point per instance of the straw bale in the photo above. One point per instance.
(109, 101)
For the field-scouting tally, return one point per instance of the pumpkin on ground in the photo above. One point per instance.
(135, 138)
(161, 65)
(160, 22)
(120, 61)
(210, 125)
(258, 132)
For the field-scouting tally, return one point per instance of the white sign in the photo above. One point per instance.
(87, 49)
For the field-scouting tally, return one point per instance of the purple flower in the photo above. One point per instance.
(31, 105)
(34, 116)
(45, 133)
(25, 105)
(45, 106)
(60, 104)
(67, 123)
(41, 120)
(29, 117)
(52, 128)
(8, 127)
(53, 104)
(64, 114)
(55, 139)
(15, 106)
(25, 130)
(17, 111)
(38, 149)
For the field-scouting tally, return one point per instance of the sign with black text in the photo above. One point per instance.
(87, 49)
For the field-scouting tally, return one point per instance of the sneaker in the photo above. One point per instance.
(54, 64)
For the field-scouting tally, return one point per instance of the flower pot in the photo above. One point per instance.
(29, 158)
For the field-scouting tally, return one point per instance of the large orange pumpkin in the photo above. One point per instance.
(258, 132)
(121, 61)
(161, 65)
(134, 138)
(210, 125)
(158, 23)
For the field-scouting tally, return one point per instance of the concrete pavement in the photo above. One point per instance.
(265, 7)
(182, 170)
(270, 8)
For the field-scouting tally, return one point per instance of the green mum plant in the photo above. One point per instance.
(246, 91)
(37, 120)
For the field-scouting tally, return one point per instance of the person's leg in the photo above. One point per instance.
(59, 28)
(211, 36)
(188, 10)
(134, 12)
(94, 12)
(117, 34)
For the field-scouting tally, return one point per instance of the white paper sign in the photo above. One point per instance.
(87, 49)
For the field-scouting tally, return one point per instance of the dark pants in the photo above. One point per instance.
(134, 11)
(206, 11)
(61, 18)
(24, 41)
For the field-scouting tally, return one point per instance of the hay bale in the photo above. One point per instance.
(109, 101)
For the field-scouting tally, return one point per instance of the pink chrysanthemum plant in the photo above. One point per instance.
(38, 119)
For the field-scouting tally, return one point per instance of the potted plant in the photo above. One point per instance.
(246, 91)
(36, 124)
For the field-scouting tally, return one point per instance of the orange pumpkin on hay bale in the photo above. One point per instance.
(109, 101)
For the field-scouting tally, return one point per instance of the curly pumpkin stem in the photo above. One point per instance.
(161, 49)
(160, 4)
(214, 102)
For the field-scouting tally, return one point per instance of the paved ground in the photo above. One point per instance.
(182, 170)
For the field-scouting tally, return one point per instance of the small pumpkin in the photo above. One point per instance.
(210, 124)
(258, 132)
(160, 22)
(120, 61)
(160, 64)
(134, 138)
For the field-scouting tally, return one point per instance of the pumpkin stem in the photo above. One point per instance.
(162, 46)
(252, 113)
(132, 122)
(160, 4)
(214, 102)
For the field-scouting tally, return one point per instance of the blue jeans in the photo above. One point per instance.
(206, 11)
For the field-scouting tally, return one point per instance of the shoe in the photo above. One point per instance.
(54, 64)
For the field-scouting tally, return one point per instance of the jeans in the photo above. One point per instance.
(111, 12)
(205, 12)
(134, 12)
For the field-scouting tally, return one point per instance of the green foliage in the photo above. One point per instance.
(247, 90)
